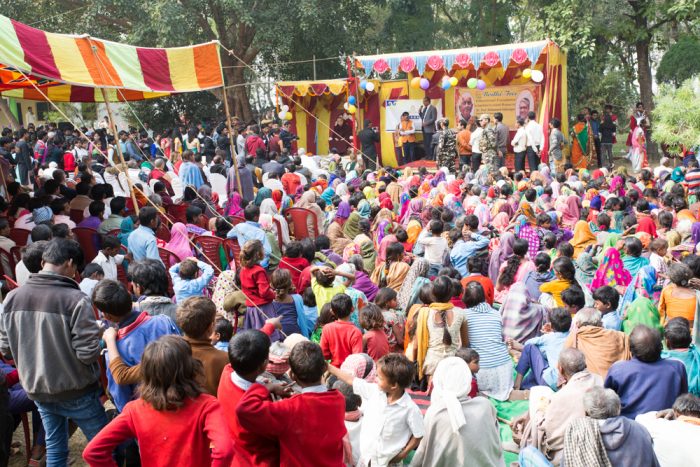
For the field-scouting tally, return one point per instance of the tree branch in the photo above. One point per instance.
(452, 20)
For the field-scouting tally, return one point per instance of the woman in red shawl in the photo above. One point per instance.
(277, 198)
(646, 224)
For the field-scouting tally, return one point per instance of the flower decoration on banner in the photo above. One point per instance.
(519, 56)
(435, 62)
(463, 60)
(491, 59)
(407, 64)
(381, 66)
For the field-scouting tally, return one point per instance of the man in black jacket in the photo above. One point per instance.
(368, 138)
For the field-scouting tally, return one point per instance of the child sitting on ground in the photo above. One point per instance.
(92, 274)
(374, 340)
(294, 262)
(564, 276)
(196, 317)
(223, 332)
(340, 338)
(292, 421)
(471, 357)
(109, 257)
(606, 300)
(573, 298)
(394, 322)
(326, 316)
(172, 407)
(540, 354)
(323, 284)
(185, 281)
(434, 245)
(392, 425)
(657, 259)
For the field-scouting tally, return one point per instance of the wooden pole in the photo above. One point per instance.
(118, 148)
(234, 162)
(352, 80)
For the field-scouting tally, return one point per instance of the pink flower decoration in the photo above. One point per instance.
(463, 60)
(435, 63)
(491, 59)
(519, 56)
(407, 64)
(381, 66)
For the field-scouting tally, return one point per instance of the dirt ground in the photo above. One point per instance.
(76, 443)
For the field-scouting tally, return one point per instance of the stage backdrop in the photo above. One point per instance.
(395, 107)
(511, 101)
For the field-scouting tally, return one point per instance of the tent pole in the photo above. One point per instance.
(354, 117)
(234, 162)
(118, 148)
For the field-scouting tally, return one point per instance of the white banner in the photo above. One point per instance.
(394, 109)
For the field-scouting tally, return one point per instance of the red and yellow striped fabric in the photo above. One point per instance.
(89, 62)
(69, 93)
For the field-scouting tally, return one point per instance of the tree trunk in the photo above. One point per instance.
(5, 108)
(644, 77)
(238, 100)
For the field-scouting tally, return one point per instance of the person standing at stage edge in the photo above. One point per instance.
(533, 130)
(428, 115)
(501, 141)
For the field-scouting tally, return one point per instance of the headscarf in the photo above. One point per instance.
(504, 251)
(364, 209)
(263, 194)
(369, 193)
(343, 211)
(179, 241)
(677, 175)
(611, 271)
(452, 381)
(328, 195)
(360, 365)
(394, 191)
(386, 203)
(571, 212)
(586, 268)
(308, 201)
(415, 208)
(646, 224)
(126, 227)
(500, 222)
(277, 196)
(234, 205)
(645, 238)
(583, 237)
(269, 207)
(416, 277)
(352, 225)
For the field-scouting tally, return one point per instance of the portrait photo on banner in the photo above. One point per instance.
(511, 101)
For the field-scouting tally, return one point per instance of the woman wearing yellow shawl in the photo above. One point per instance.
(583, 238)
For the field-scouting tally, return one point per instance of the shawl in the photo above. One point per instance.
(386, 203)
(365, 285)
(263, 193)
(691, 360)
(364, 209)
(585, 268)
(337, 237)
(391, 277)
(394, 190)
(419, 269)
(422, 333)
(522, 318)
(277, 196)
(641, 311)
(451, 381)
(308, 201)
(415, 208)
(360, 365)
(634, 263)
(571, 211)
(352, 225)
(583, 237)
(533, 280)
(383, 230)
(583, 445)
(504, 251)
(126, 227)
(343, 211)
(602, 347)
(179, 241)
(611, 271)
(234, 205)
(368, 253)
(646, 224)
(328, 195)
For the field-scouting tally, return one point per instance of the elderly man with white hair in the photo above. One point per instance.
(459, 430)
(604, 438)
(602, 347)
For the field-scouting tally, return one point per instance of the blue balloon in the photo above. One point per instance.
(363, 84)
(352, 100)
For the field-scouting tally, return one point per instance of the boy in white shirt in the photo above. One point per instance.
(108, 257)
(92, 274)
(434, 245)
(392, 424)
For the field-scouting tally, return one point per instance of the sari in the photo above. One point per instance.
(179, 242)
(634, 263)
(571, 211)
(352, 225)
(503, 252)
(417, 276)
(583, 238)
(611, 271)
(337, 237)
(392, 276)
(234, 207)
(582, 148)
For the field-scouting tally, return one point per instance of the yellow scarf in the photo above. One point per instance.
(422, 335)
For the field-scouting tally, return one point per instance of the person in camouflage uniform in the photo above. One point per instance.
(446, 147)
(487, 144)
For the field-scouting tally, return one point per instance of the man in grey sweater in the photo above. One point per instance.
(48, 328)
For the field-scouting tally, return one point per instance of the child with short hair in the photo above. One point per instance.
(435, 246)
(340, 338)
(255, 285)
(606, 301)
(223, 332)
(109, 257)
(325, 316)
(294, 421)
(126, 342)
(92, 274)
(374, 341)
(471, 357)
(574, 299)
(394, 322)
(196, 317)
(657, 259)
(392, 425)
(550, 245)
(540, 355)
(172, 407)
(185, 281)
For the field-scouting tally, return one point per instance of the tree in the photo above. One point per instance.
(677, 114)
(680, 62)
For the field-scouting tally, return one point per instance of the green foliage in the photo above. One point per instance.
(166, 112)
(680, 62)
(677, 115)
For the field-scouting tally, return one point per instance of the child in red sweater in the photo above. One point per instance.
(256, 287)
(310, 426)
(340, 338)
(247, 352)
(471, 357)
(374, 341)
(174, 422)
(293, 262)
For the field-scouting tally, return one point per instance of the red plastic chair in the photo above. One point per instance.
(6, 258)
(235, 220)
(77, 215)
(297, 218)
(211, 247)
(233, 251)
(163, 232)
(169, 259)
(11, 284)
(278, 226)
(89, 240)
(177, 212)
(19, 236)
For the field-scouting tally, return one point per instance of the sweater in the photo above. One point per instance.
(132, 340)
(340, 339)
(256, 286)
(213, 360)
(48, 328)
(309, 426)
(195, 434)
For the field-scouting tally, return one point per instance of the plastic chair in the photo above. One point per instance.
(235, 220)
(177, 212)
(211, 247)
(168, 257)
(19, 236)
(163, 232)
(89, 240)
(278, 226)
(11, 284)
(298, 218)
(6, 258)
(77, 215)
(233, 251)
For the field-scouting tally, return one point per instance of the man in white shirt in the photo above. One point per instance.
(534, 141)
(108, 257)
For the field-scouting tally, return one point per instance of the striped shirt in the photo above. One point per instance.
(692, 178)
(486, 335)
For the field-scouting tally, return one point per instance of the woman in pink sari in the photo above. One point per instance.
(571, 211)
(179, 242)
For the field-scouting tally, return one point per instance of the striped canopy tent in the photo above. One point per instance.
(69, 68)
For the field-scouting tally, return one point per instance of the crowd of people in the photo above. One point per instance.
(339, 295)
